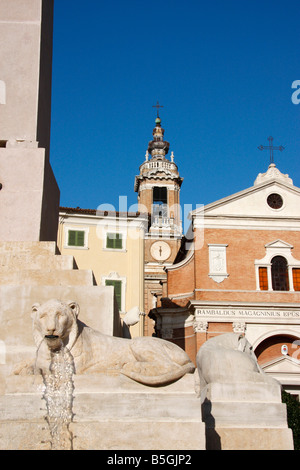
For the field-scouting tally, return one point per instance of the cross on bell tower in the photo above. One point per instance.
(157, 106)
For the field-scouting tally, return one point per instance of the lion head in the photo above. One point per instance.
(56, 323)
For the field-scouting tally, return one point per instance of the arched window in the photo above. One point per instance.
(278, 270)
(280, 276)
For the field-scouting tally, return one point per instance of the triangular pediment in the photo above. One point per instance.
(282, 365)
(279, 244)
(253, 202)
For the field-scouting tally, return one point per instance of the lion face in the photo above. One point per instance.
(56, 323)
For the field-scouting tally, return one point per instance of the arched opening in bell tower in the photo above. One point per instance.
(160, 201)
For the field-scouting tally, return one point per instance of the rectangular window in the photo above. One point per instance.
(118, 290)
(263, 279)
(114, 241)
(296, 279)
(76, 237)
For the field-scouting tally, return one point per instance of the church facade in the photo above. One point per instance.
(241, 273)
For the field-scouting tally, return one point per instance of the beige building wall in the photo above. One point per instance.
(125, 264)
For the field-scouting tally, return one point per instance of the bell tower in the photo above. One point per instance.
(158, 187)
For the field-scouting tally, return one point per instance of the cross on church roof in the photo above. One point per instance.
(157, 106)
(271, 148)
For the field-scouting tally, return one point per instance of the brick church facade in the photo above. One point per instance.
(238, 270)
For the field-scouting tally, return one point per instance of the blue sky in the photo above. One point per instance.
(222, 69)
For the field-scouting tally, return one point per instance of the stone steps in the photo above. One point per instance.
(34, 248)
(39, 263)
(54, 277)
(28, 260)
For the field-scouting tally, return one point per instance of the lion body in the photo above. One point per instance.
(229, 358)
(148, 360)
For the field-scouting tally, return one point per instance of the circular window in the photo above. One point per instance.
(275, 201)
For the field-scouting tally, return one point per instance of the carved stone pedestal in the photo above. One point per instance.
(110, 413)
(245, 416)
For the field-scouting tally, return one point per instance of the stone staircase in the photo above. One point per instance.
(39, 263)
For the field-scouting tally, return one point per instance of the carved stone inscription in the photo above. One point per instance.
(224, 312)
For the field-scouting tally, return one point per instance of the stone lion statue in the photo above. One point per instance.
(151, 361)
(229, 358)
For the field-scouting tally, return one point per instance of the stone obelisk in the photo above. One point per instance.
(29, 195)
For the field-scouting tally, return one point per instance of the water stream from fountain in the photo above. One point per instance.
(58, 395)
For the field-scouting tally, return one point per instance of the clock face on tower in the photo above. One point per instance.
(160, 251)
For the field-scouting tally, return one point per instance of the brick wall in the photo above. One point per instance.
(244, 247)
(181, 281)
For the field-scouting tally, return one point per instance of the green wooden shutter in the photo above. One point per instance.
(80, 238)
(118, 290)
(76, 238)
(114, 241)
(109, 240)
(71, 238)
(118, 241)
